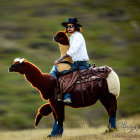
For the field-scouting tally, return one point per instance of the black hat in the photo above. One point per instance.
(71, 20)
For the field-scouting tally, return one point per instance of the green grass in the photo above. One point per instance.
(127, 129)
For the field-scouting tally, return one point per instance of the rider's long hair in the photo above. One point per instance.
(77, 28)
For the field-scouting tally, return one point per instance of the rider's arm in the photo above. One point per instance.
(60, 59)
(75, 45)
(63, 57)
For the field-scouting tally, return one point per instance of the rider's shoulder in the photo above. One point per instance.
(78, 34)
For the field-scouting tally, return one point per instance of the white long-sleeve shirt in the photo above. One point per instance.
(77, 49)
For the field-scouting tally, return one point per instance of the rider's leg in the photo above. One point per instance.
(53, 71)
(76, 66)
(84, 65)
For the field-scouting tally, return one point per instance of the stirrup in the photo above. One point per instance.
(59, 100)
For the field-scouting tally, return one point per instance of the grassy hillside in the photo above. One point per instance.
(112, 34)
(127, 132)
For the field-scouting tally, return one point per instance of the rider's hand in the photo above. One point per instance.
(56, 62)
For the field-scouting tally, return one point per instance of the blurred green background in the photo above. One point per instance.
(112, 32)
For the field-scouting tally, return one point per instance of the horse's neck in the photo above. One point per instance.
(63, 50)
(33, 75)
(45, 83)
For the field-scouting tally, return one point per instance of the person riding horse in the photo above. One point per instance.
(77, 51)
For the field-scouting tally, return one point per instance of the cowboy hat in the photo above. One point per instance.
(72, 21)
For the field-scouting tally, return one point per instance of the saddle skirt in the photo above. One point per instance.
(68, 81)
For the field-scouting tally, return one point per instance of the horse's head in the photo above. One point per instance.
(18, 65)
(62, 38)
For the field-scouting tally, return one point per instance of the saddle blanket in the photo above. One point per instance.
(67, 82)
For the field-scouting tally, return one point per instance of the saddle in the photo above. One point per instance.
(68, 81)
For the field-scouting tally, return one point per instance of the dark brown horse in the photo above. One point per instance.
(46, 84)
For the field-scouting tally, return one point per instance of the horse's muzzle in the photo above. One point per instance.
(55, 38)
(10, 70)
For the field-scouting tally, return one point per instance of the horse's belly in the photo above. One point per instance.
(85, 94)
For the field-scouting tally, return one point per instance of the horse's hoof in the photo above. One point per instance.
(110, 130)
(50, 136)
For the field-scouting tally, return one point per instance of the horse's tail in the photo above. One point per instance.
(113, 83)
(44, 110)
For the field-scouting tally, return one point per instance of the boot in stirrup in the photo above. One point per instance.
(67, 98)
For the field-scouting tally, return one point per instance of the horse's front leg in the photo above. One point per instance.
(58, 113)
(44, 110)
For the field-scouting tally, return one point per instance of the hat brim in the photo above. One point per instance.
(65, 24)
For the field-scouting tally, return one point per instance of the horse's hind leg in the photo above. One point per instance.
(110, 103)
